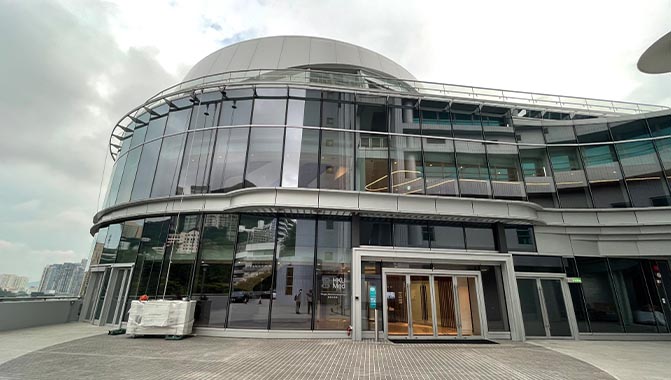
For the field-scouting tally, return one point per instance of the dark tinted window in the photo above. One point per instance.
(374, 232)
(480, 237)
(264, 159)
(228, 165)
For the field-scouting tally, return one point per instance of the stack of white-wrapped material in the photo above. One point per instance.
(161, 317)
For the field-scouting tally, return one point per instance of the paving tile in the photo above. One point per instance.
(120, 357)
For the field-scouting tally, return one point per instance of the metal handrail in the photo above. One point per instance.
(40, 298)
(394, 86)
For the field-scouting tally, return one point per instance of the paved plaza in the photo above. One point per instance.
(120, 357)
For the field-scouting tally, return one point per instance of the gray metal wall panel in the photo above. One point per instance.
(267, 54)
(347, 54)
(204, 67)
(370, 59)
(322, 51)
(243, 56)
(296, 52)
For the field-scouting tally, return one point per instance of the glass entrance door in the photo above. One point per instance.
(106, 294)
(544, 311)
(432, 306)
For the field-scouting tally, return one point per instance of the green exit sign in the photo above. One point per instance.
(574, 280)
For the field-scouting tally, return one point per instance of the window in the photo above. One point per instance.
(228, 164)
(337, 114)
(371, 117)
(472, 168)
(569, 177)
(602, 310)
(440, 168)
(264, 159)
(167, 170)
(303, 112)
(205, 115)
(372, 163)
(149, 262)
(301, 158)
(406, 165)
(605, 177)
(126, 185)
(253, 273)
(411, 235)
(215, 268)
(181, 250)
(520, 238)
(333, 279)
(145, 170)
(195, 171)
(113, 190)
(643, 174)
(269, 111)
(236, 112)
(540, 185)
(480, 237)
(375, 232)
(178, 121)
(294, 294)
(129, 243)
(337, 161)
(447, 235)
(592, 133)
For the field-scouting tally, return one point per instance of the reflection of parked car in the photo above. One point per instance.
(239, 297)
(267, 293)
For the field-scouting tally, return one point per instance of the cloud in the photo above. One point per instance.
(25, 260)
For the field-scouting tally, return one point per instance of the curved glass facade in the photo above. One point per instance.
(344, 141)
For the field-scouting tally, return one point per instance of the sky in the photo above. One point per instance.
(70, 69)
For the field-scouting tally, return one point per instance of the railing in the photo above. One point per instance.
(22, 312)
(386, 85)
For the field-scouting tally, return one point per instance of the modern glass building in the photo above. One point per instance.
(288, 179)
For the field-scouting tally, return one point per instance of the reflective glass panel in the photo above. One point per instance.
(113, 190)
(303, 112)
(205, 115)
(520, 238)
(411, 235)
(630, 130)
(337, 115)
(228, 164)
(495, 298)
(129, 243)
(592, 133)
(372, 163)
(195, 172)
(149, 263)
(472, 168)
(599, 295)
(559, 134)
(156, 127)
(570, 177)
(480, 237)
(215, 269)
(404, 117)
(126, 185)
(397, 305)
(264, 159)
(337, 161)
(639, 315)
(253, 273)
(182, 247)
(643, 174)
(145, 170)
(540, 185)
(333, 278)
(436, 123)
(605, 177)
(406, 165)
(293, 295)
(236, 112)
(167, 170)
(269, 111)
(375, 232)
(440, 168)
(447, 236)
(111, 244)
(504, 170)
(301, 158)
(138, 136)
(531, 307)
(371, 118)
(178, 121)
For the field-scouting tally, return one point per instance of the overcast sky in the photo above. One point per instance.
(70, 70)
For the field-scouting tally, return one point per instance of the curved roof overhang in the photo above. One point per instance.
(657, 58)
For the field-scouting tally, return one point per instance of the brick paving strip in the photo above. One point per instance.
(119, 357)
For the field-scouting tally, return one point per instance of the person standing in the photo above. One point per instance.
(309, 298)
(297, 299)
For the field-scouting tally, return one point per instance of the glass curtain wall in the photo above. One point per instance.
(332, 295)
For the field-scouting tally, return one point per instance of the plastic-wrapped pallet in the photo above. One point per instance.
(161, 317)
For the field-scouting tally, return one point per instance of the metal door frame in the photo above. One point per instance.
(566, 293)
(126, 270)
(454, 274)
(92, 294)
